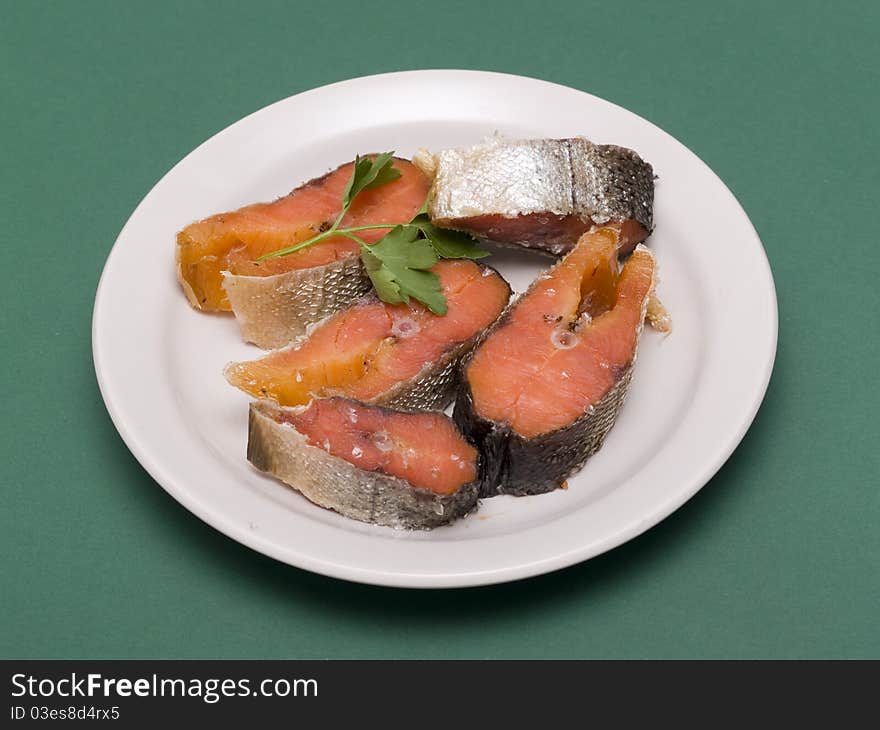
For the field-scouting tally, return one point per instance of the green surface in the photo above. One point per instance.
(777, 557)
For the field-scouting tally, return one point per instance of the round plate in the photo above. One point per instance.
(693, 395)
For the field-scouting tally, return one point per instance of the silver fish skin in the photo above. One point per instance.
(272, 311)
(367, 496)
(540, 193)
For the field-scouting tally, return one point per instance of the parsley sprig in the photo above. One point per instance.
(397, 263)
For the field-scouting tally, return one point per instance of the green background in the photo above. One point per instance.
(779, 556)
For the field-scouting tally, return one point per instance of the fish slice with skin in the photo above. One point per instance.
(541, 194)
(543, 389)
(274, 300)
(400, 355)
(372, 464)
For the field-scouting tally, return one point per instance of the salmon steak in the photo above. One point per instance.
(540, 193)
(373, 464)
(275, 299)
(543, 389)
(399, 355)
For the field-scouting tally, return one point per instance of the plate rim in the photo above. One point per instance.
(383, 577)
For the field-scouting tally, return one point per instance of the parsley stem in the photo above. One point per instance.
(299, 246)
(332, 231)
(356, 239)
(354, 229)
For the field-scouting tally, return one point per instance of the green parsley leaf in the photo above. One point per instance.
(448, 244)
(368, 174)
(382, 278)
(396, 265)
(386, 172)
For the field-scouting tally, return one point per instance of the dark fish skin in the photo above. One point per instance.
(542, 193)
(518, 465)
(367, 496)
(511, 464)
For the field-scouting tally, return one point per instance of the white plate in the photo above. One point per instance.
(693, 395)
